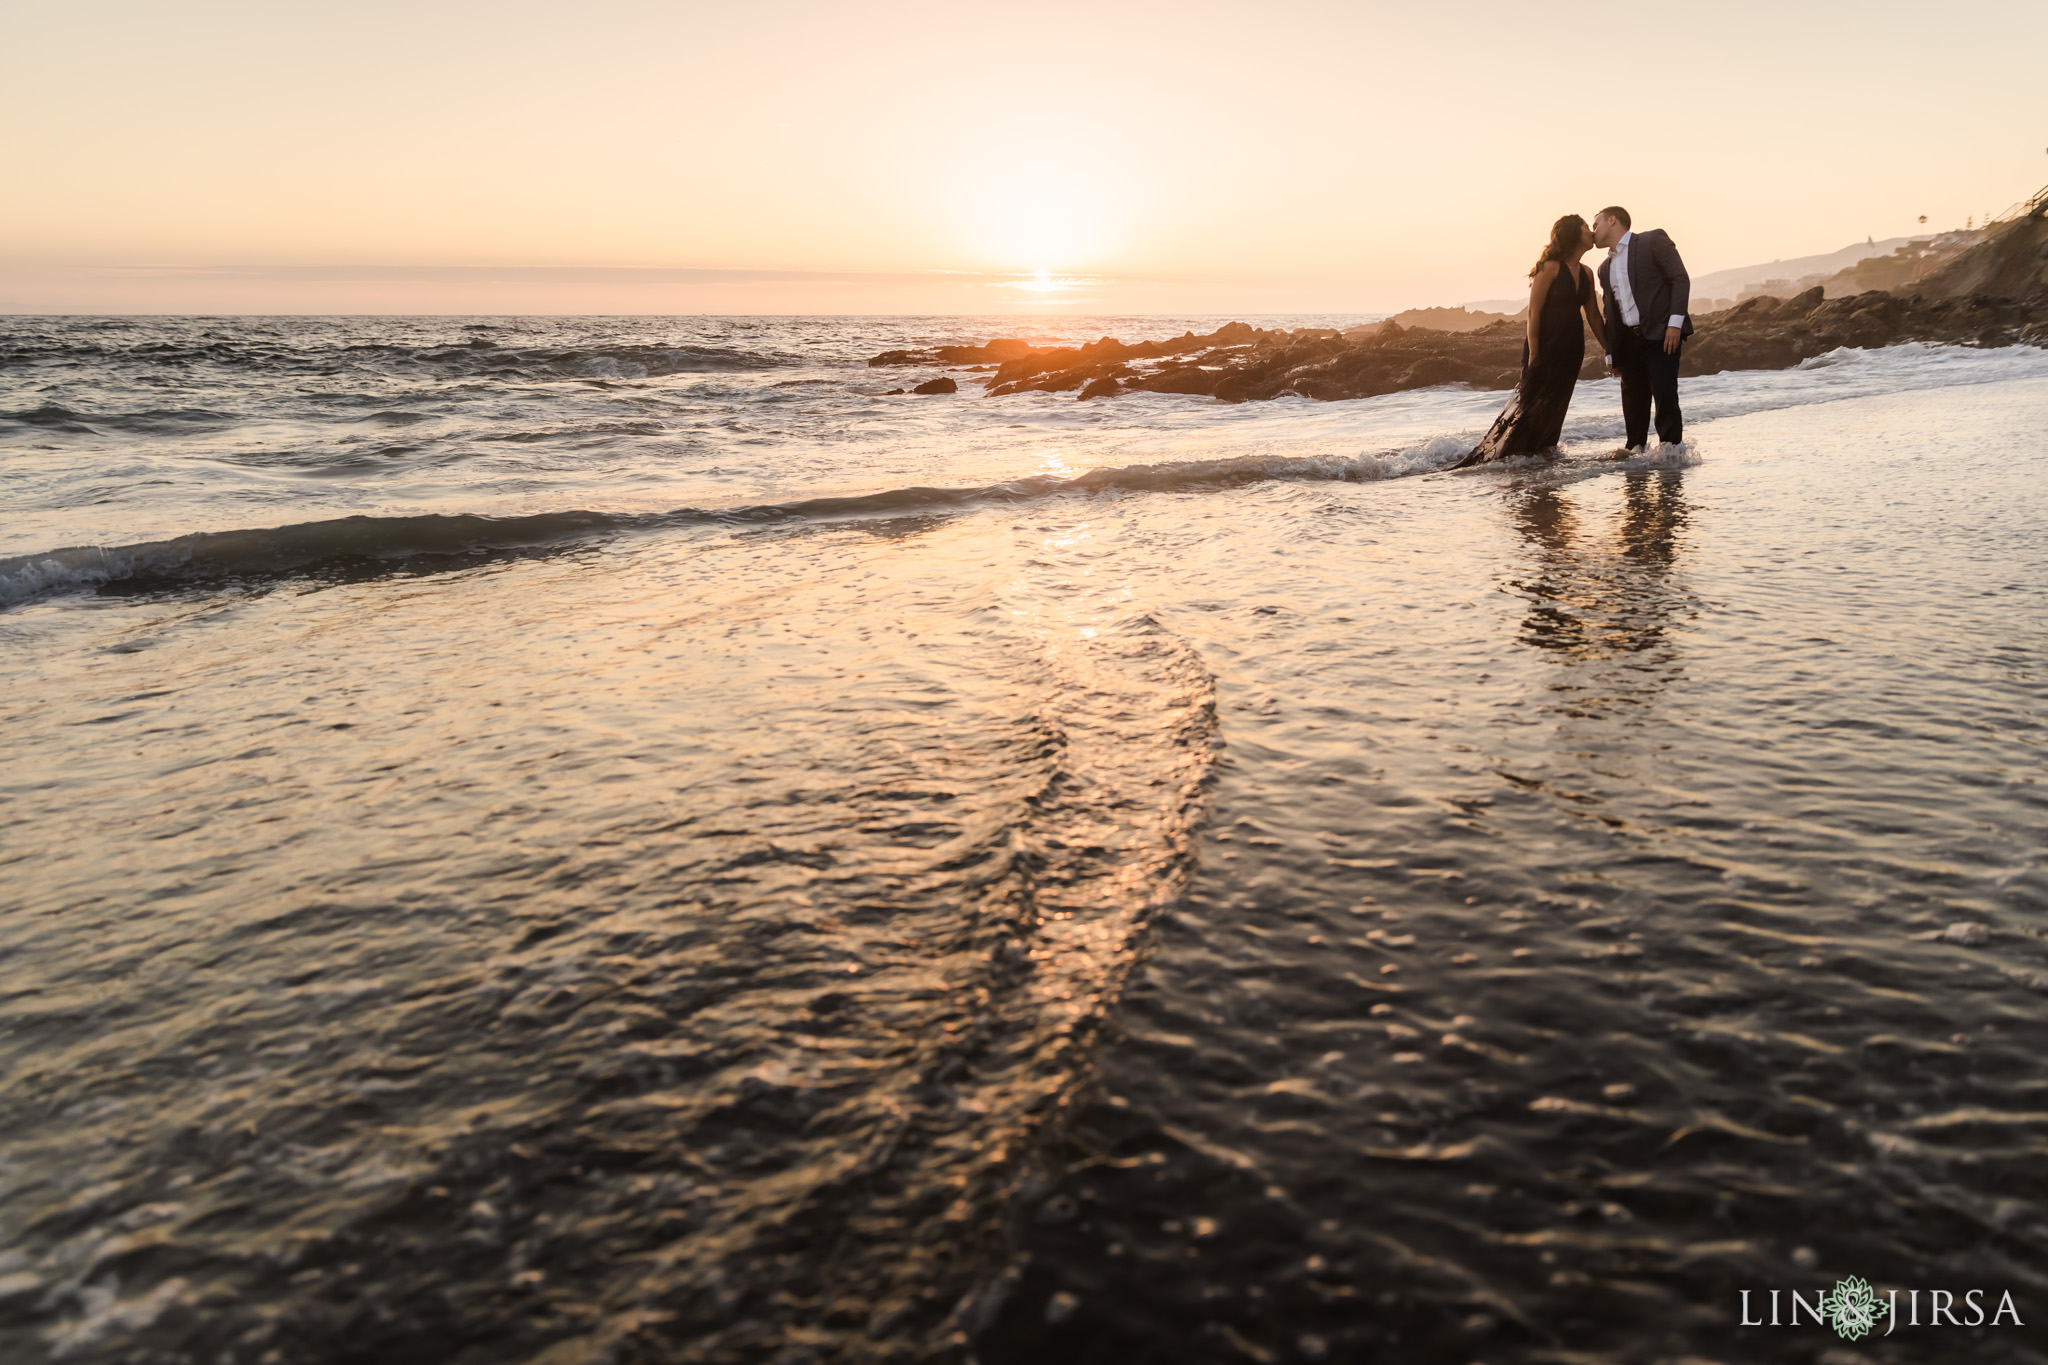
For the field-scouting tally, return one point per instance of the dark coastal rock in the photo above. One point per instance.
(993, 353)
(1776, 334)
(1058, 369)
(1100, 388)
(943, 384)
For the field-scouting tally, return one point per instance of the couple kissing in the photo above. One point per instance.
(1643, 327)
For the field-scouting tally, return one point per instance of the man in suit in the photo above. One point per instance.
(1648, 294)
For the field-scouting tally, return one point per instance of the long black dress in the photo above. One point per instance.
(1534, 417)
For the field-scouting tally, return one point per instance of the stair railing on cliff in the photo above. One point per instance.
(2036, 207)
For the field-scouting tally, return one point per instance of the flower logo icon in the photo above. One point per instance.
(1851, 1308)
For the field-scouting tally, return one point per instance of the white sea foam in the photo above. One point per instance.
(33, 575)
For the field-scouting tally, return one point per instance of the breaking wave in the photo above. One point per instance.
(288, 549)
(456, 359)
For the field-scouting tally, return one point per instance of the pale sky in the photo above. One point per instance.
(891, 157)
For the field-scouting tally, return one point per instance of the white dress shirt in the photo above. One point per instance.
(1624, 289)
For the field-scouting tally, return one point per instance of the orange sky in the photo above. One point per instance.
(903, 157)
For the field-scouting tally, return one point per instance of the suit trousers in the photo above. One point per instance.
(1647, 374)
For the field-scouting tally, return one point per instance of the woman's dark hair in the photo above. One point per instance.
(1565, 235)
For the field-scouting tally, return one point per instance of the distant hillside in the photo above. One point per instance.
(1784, 278)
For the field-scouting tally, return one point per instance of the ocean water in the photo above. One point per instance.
(629, 843)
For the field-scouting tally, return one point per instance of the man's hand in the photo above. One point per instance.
(1612, 373)
(1671, 335)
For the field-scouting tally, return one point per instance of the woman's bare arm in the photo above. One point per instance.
(1539, 289)
(1594, 320)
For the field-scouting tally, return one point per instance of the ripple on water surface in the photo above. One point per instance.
(1620, 891)
(707, 923)
(689, 947)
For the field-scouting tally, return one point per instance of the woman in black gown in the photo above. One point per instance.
(1560, 290)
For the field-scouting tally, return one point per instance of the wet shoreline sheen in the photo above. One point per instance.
(1459, 917)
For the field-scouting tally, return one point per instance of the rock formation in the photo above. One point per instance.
(1003, 348)
(2011, 261)
(1450, 319)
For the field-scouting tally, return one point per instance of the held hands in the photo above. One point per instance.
(1671, 335)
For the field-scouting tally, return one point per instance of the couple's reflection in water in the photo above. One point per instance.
(1605, 592)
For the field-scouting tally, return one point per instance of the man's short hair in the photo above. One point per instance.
(1618, 214)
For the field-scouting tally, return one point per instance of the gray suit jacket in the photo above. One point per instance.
(1658, 280)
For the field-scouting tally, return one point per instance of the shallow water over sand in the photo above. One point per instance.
(583, 933)
(1580, 933)
(1468, 917)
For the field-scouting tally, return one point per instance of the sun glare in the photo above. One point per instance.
(1041, 221)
